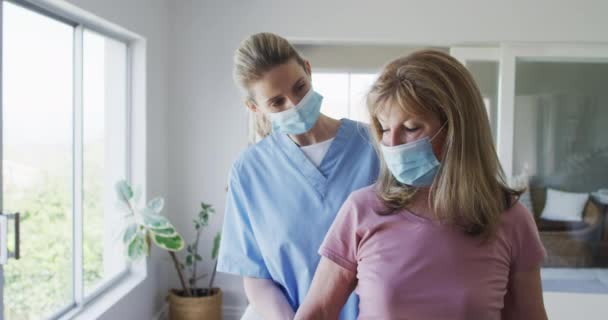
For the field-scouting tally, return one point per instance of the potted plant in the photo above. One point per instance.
(146, 226)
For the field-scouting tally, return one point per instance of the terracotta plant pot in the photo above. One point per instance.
(195, 308)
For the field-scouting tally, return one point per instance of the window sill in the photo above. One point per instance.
(94, 308)
(564, 306)
(574, 281)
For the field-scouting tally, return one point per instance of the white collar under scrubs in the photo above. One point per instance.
(280, 205)
(316, 152)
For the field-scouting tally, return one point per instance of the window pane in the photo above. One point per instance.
(561, 143)
(360, 84)
(334, 88)
(37, 160)
(104, 158)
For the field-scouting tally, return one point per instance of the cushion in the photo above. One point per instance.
(564, 206)
(553, 225)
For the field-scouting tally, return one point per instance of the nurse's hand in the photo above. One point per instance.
(267, 299)
(330, 288)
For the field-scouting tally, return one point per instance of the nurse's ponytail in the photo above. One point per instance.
(256, 55)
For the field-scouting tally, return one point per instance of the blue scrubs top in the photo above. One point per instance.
(280, 206)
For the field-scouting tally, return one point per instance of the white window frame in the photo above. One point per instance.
(112, 289)
(349, 72)
(506, 54)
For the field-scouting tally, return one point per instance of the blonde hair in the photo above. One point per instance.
(256, 55)
(469, 189)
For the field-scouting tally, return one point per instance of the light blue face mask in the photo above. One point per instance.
(412, 163)
(299, 119)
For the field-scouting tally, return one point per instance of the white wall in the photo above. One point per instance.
(362, 58)
(207, 122)
(150, 19)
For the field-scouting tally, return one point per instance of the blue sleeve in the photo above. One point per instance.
(239, 251)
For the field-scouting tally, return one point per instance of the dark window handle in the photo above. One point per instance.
(4, 253)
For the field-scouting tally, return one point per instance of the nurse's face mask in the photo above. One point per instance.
(413, 163)
(299, 118)
(286, 98)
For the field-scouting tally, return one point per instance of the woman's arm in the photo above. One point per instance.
(267, 299)
(330, 288)
(524, 298)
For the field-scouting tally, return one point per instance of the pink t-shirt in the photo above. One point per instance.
(410, 267)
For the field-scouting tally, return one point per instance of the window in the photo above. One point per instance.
(104, 155)
(561, 143)
(37, 160)
(67, 97)
(548, 110)
(344, 93)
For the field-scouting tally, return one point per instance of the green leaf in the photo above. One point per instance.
(122, 207)
(198, 258)
(216, 245)
(137, 247)
(124, 190)
(165, 232)
(130, 233)
(174, 243)
(156, 205)
(156, 221)
(189, 261)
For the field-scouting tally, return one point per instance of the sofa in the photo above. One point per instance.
(568, 244)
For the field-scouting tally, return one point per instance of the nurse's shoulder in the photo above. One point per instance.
(254, 157)
(363, 203)
(361, 144)
(362, 132)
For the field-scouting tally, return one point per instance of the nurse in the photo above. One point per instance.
(284, 191)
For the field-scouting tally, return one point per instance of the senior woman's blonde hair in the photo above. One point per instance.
(470, 189)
